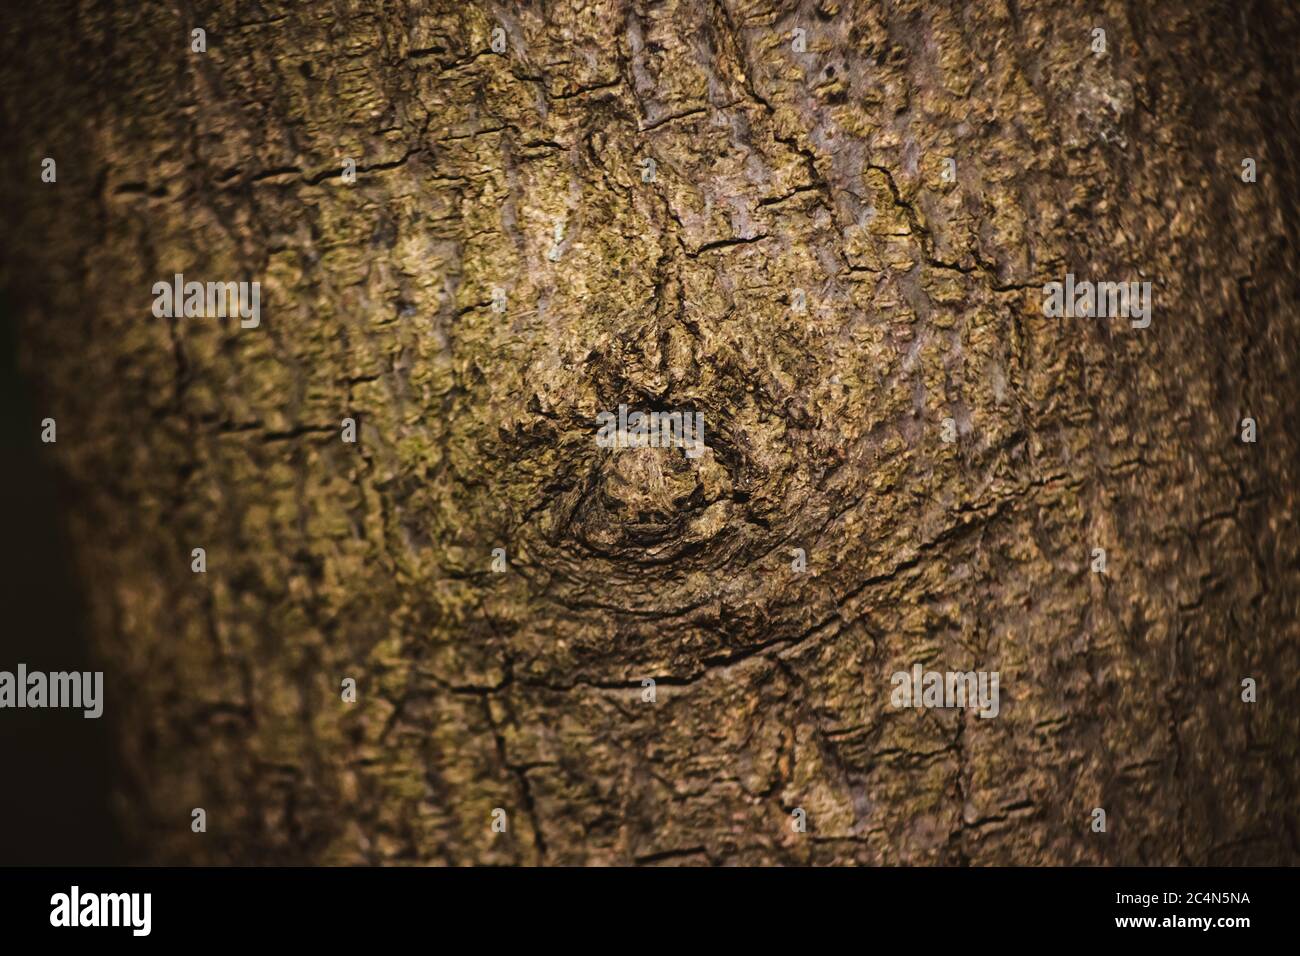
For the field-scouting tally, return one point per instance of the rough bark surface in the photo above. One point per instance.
(776, 170)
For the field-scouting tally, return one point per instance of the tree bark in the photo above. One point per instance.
(798, 269)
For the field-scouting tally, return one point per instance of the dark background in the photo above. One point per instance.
(56, 766)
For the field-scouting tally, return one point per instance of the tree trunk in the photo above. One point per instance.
(861, 326)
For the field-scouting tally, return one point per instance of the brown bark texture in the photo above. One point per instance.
(802, 267)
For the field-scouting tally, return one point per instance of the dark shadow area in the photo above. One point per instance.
(57, 764)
